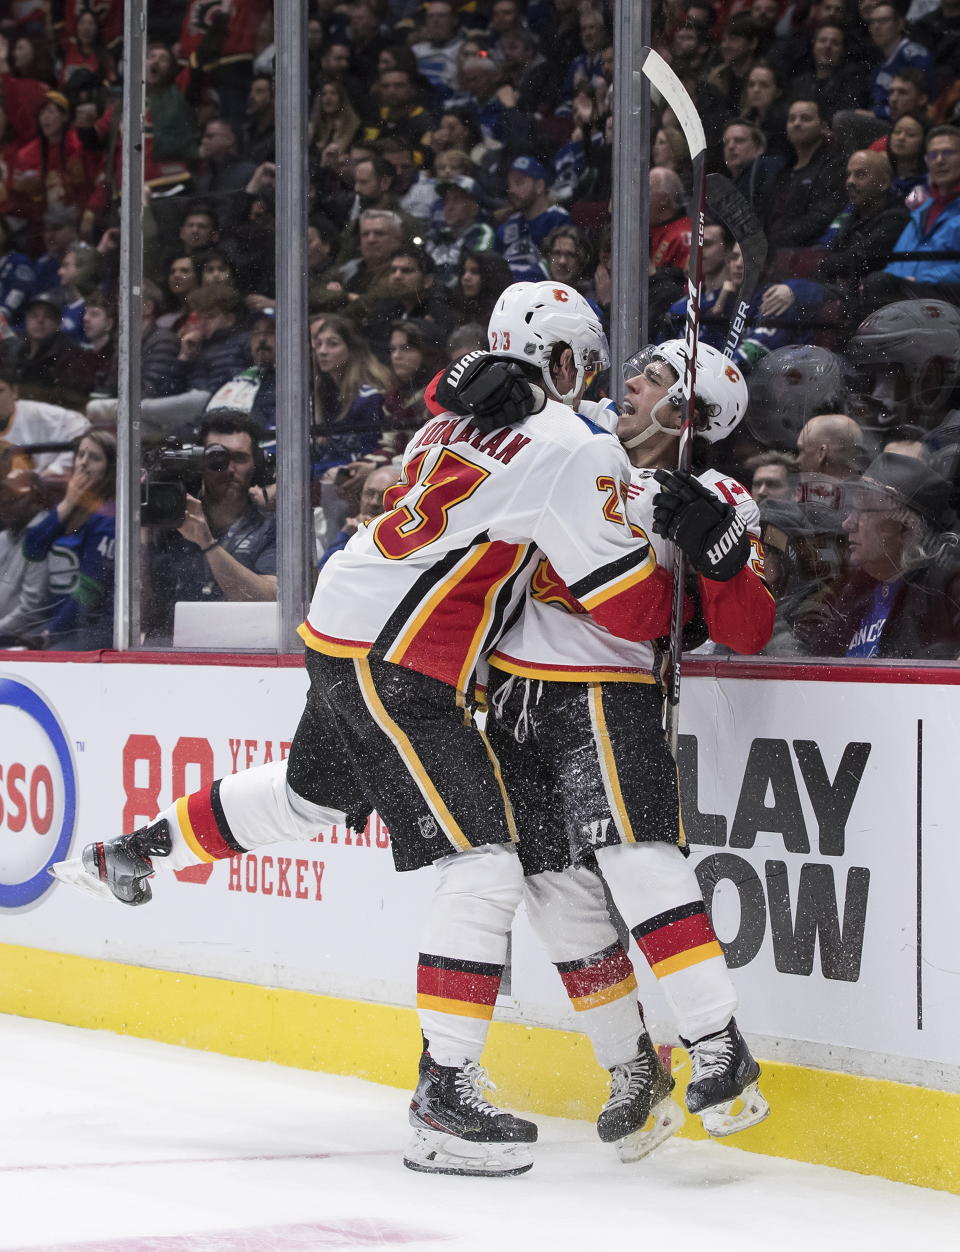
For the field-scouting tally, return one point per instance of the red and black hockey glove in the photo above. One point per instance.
(709, 530)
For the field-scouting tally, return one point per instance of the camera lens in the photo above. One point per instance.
(216, 457)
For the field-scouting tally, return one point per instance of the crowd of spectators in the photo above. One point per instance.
(456, 146)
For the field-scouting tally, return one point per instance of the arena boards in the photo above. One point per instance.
(824, 837)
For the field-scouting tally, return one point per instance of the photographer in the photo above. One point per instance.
(225, 548)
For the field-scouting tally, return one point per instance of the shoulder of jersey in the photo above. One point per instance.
(562, 425)
(734, 492)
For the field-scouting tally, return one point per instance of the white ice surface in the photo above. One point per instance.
(113, 1144)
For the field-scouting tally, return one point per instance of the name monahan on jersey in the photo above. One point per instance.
(554, 639)
(432, 583)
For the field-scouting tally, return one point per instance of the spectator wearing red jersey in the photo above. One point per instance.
(22, 98)
(108, 15)
(53, 170)
(669, 221)
(86, 50)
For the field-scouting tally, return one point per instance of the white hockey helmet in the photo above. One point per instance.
(528, 321)
(721, 390)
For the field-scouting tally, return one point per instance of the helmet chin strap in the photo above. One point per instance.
(570, 398)
(653, 429)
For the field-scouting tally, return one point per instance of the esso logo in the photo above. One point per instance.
(38, 793)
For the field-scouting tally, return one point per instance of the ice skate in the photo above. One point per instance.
(119, 869)
(458, 1131)
(723, 1087)
(640, 1114)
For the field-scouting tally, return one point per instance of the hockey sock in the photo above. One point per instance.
(241, 812)
(657, 892)
(464, 948)
(568, 912)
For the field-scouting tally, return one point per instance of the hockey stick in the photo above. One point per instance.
(675, 95)
(733, 211)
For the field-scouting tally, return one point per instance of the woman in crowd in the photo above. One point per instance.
(31, 58)
(906, 145)
(183, 276)
(763, 105)
(333, 119)
(670, 152)
(349, 386)
(78, 538)
(483, 276)
(415, 357)
(52, 170)
(86, 51)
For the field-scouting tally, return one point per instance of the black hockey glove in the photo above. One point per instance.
(710, 531)
(491, 390)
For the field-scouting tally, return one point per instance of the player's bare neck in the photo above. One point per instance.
(657, 453)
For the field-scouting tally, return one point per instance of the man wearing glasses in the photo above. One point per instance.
(933, 228)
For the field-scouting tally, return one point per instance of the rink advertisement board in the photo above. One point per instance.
(821, 818)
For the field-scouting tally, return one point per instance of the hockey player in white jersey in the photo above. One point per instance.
(397, 634)
(576, 724)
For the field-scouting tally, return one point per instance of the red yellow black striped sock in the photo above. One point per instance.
(464, 988)
(204, 825)
(598, 979)
(677, 939)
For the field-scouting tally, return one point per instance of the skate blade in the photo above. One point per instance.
(430, 1152)
(74, 874)
(664, 1120)
(748, 1109)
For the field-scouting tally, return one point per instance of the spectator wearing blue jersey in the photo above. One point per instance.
(17, 280)
(520, 237)
(77, 539)
(437, 52)
(887, 31)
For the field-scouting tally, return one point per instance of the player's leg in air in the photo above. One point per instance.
(273, 803)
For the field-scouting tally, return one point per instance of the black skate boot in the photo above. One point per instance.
(639, 1114)
(458, 1131)
(724, 1074)
(120, 868)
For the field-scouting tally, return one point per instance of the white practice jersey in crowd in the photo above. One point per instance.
(431, 583)
(554, 639)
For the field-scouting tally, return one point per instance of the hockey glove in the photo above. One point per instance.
(710, 531)
(491, 390)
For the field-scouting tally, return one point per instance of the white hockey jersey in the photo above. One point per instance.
(33, 422)
(432, 582)
(554, 639)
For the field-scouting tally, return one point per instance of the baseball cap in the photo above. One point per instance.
(52, 299)
(531, 167)
(464, 183)
(912, 484)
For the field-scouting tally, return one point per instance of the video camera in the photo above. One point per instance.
(172, 471)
